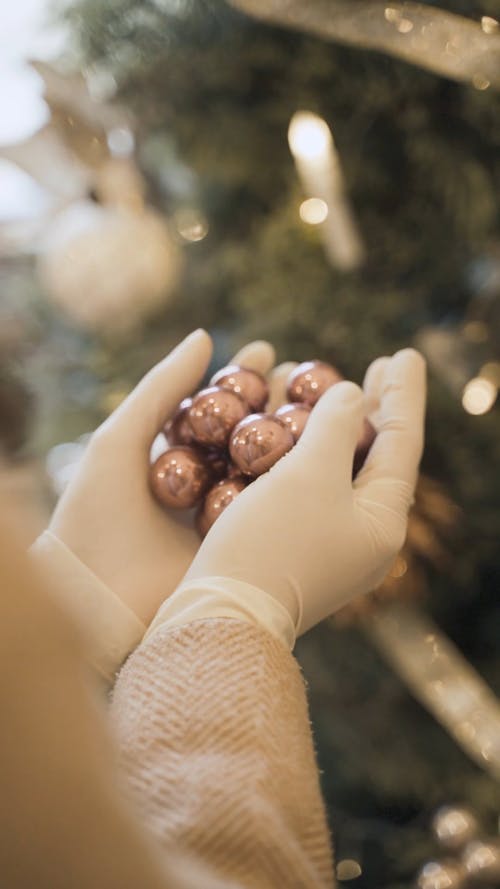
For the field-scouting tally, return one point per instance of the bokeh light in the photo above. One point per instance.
(313, 211)
(479, 396)
(309, 136)
(191, 224)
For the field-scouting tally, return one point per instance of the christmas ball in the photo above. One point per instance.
(109, 268)
(364, 444)
(218, 497)
(309, 380)
(248, 384)
(177, 430)
(258, 442)
(441, 875)
(180, 477)
(454, 827)
(294, 417)
(213, 415)
(482, 862)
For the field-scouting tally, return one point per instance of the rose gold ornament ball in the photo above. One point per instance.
(294, 417)
(368, 436)
(218, 498)
(258, 442)
(213, 414)
(309, 380)
(248, 384)
(180, 477)
(178, 430)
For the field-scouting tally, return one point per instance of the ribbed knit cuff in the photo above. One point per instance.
(210, 597)
(111, 629)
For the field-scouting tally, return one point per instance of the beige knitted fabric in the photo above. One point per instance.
(214, 737)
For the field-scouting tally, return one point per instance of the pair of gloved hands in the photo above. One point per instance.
(296, 545)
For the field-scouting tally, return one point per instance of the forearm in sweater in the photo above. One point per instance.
(212, 724)
(63, 818)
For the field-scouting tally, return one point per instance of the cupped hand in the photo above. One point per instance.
(107, 516)
(305, 533)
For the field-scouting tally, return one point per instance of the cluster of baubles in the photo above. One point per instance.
(471, 860)
(220, 439)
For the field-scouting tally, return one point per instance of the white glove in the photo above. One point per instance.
(303, 539)
(112, 552)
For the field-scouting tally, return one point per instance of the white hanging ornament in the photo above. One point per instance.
(109, 267)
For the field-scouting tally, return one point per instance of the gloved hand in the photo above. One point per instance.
(110, 544)
(303, 539)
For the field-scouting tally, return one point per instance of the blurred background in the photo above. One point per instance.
(326, 176)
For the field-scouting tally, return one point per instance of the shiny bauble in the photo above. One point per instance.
(218, 498)
(258, 442)
(309, 380)
(294, 417)
(177, 430)
(454, 827)
(481, 859)
(180, 477)
(248, 384)
(442, 875)
(213, 415)
(368, 436)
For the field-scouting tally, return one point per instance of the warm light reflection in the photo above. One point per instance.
(440, 875)
(391, 15)
(396, 18)
(480, 82)
(404, 26)
(479, 396)
(489, 24)
(313, 211)
(309, 136)
(191, 224)
(348, 869)
(483, 858)
(399, 567)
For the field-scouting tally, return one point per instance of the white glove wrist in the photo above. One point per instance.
(111, 629)
(216, 597)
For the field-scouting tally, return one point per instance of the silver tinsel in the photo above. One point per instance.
(449, 44)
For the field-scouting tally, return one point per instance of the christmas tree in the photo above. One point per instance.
(212, 92)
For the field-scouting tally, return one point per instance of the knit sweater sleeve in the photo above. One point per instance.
(216, 746)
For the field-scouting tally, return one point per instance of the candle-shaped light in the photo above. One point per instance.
(320, 173)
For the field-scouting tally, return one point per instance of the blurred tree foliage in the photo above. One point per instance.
(213, 93)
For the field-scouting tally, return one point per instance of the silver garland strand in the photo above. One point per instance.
(448, 44)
